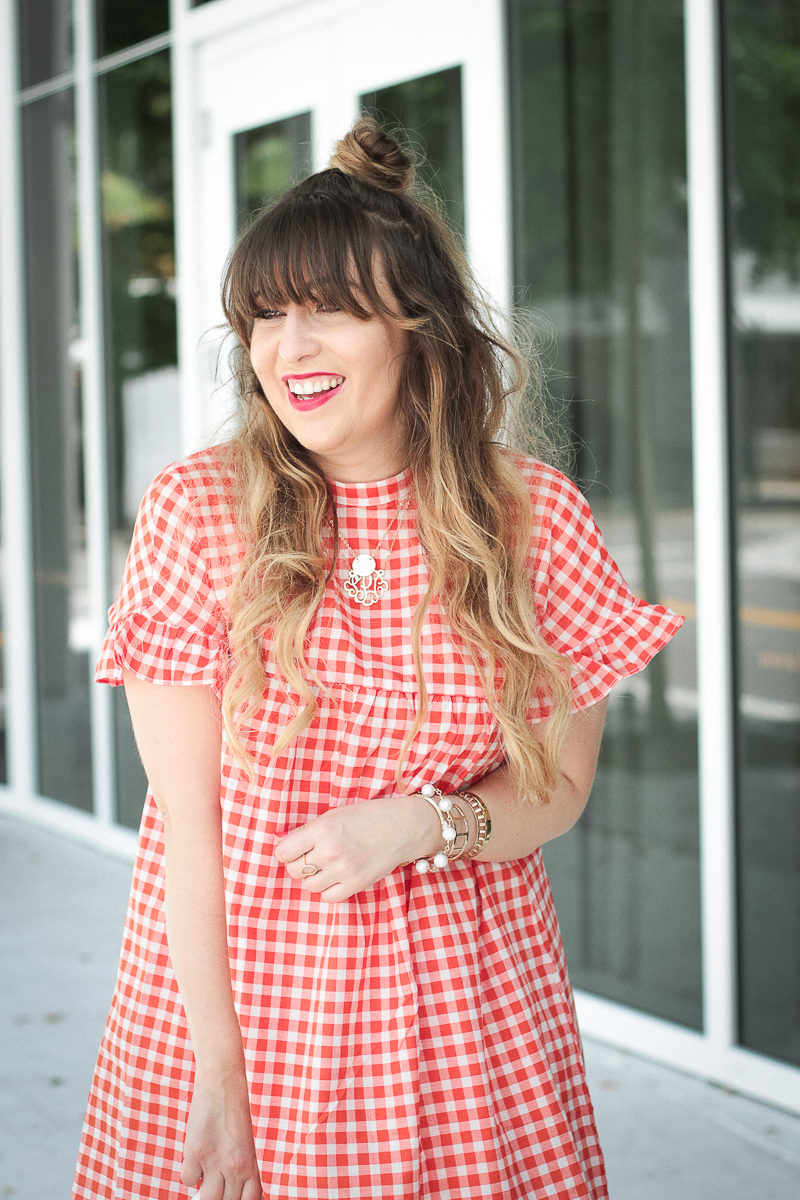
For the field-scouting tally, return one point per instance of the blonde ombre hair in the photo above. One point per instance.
(361, 237)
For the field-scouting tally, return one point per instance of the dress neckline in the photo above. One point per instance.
(372, 494)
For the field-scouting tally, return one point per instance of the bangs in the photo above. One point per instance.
(308, 249)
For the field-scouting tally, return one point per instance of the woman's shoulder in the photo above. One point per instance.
(548, 487)
(201, 483)
(204, 470)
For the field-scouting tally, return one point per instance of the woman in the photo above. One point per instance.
(366, 652)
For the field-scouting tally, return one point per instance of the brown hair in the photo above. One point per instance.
(335, 239)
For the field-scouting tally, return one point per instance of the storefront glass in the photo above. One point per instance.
(142, 406)
(428, 109)
(44, 29)
(600, 244)
(269, 160)
(56, 432)
(762, 58)
(122, 23)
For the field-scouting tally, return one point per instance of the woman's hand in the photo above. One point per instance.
(356, 845)
(219, 1155)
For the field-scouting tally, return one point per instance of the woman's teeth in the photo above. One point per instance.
(308, 387)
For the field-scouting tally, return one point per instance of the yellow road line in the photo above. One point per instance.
(772, 618)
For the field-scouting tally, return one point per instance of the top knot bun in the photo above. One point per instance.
(373, 157)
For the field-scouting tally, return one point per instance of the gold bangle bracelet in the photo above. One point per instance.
(483, 822)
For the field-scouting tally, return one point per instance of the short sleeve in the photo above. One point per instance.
(586, 610)
(167, 625)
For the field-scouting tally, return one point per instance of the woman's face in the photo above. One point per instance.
(332, 380)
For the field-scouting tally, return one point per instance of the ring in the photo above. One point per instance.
(308, 868)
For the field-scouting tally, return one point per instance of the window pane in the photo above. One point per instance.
(762, 53)
(121, 23)
(601, 249)
(141, 352)
(45, 39)
(269, 160)
(429, 110)
(59, 541)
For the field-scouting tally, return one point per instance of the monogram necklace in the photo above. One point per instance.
(366, 582)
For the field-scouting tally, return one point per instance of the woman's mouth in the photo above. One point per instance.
(307, 392)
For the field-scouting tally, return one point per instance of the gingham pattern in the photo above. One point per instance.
(418, 1040)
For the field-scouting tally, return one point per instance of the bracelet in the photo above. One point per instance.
(483, 822)
(450, 817)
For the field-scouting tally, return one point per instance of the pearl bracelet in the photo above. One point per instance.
(454, 839)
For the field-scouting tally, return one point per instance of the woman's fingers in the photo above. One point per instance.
(212, 1187)
(252, 1190)
(294, 845)
(215, 1186)
(191, 1171)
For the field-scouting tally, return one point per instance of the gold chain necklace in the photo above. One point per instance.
(366, 582)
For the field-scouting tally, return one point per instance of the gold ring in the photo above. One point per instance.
(308, 868)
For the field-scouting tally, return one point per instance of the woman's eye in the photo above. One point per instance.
(266, 314)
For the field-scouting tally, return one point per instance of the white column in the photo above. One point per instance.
(707, 265)
(487, 173)
(187, 214)
(19, 661)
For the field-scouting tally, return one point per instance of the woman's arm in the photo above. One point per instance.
(178, 735)
(519, 826)
(356, 845)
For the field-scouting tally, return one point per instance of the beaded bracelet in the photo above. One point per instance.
(483, 822)
(455, 839)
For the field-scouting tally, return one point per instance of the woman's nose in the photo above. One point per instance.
(298, 338)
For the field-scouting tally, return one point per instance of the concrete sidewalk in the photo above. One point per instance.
(666, 1136)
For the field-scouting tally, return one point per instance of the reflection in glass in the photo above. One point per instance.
(142, 410)
(121, 23)
(59, 538)
(601, 248)
(429, 110)
(269, 160)
(45, 39)
(762, 55)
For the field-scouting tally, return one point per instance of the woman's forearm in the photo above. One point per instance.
(178, 734)
(198, 944)
(520, 824)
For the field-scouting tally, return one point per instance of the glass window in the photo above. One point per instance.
(142, 411)
(762, 56)
(269, 160)
(122, 23)
(429, 110)
(59, 538)
(45, 39)
(600, 246)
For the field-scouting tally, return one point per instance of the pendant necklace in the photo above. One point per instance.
(366, 582)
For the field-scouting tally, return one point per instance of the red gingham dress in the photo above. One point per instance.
(418, 1040)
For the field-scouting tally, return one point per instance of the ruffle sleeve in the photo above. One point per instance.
(586, 610)
(167, 625)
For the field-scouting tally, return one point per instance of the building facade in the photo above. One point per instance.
(625, 173)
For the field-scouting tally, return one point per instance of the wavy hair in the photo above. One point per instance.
(361, 237)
